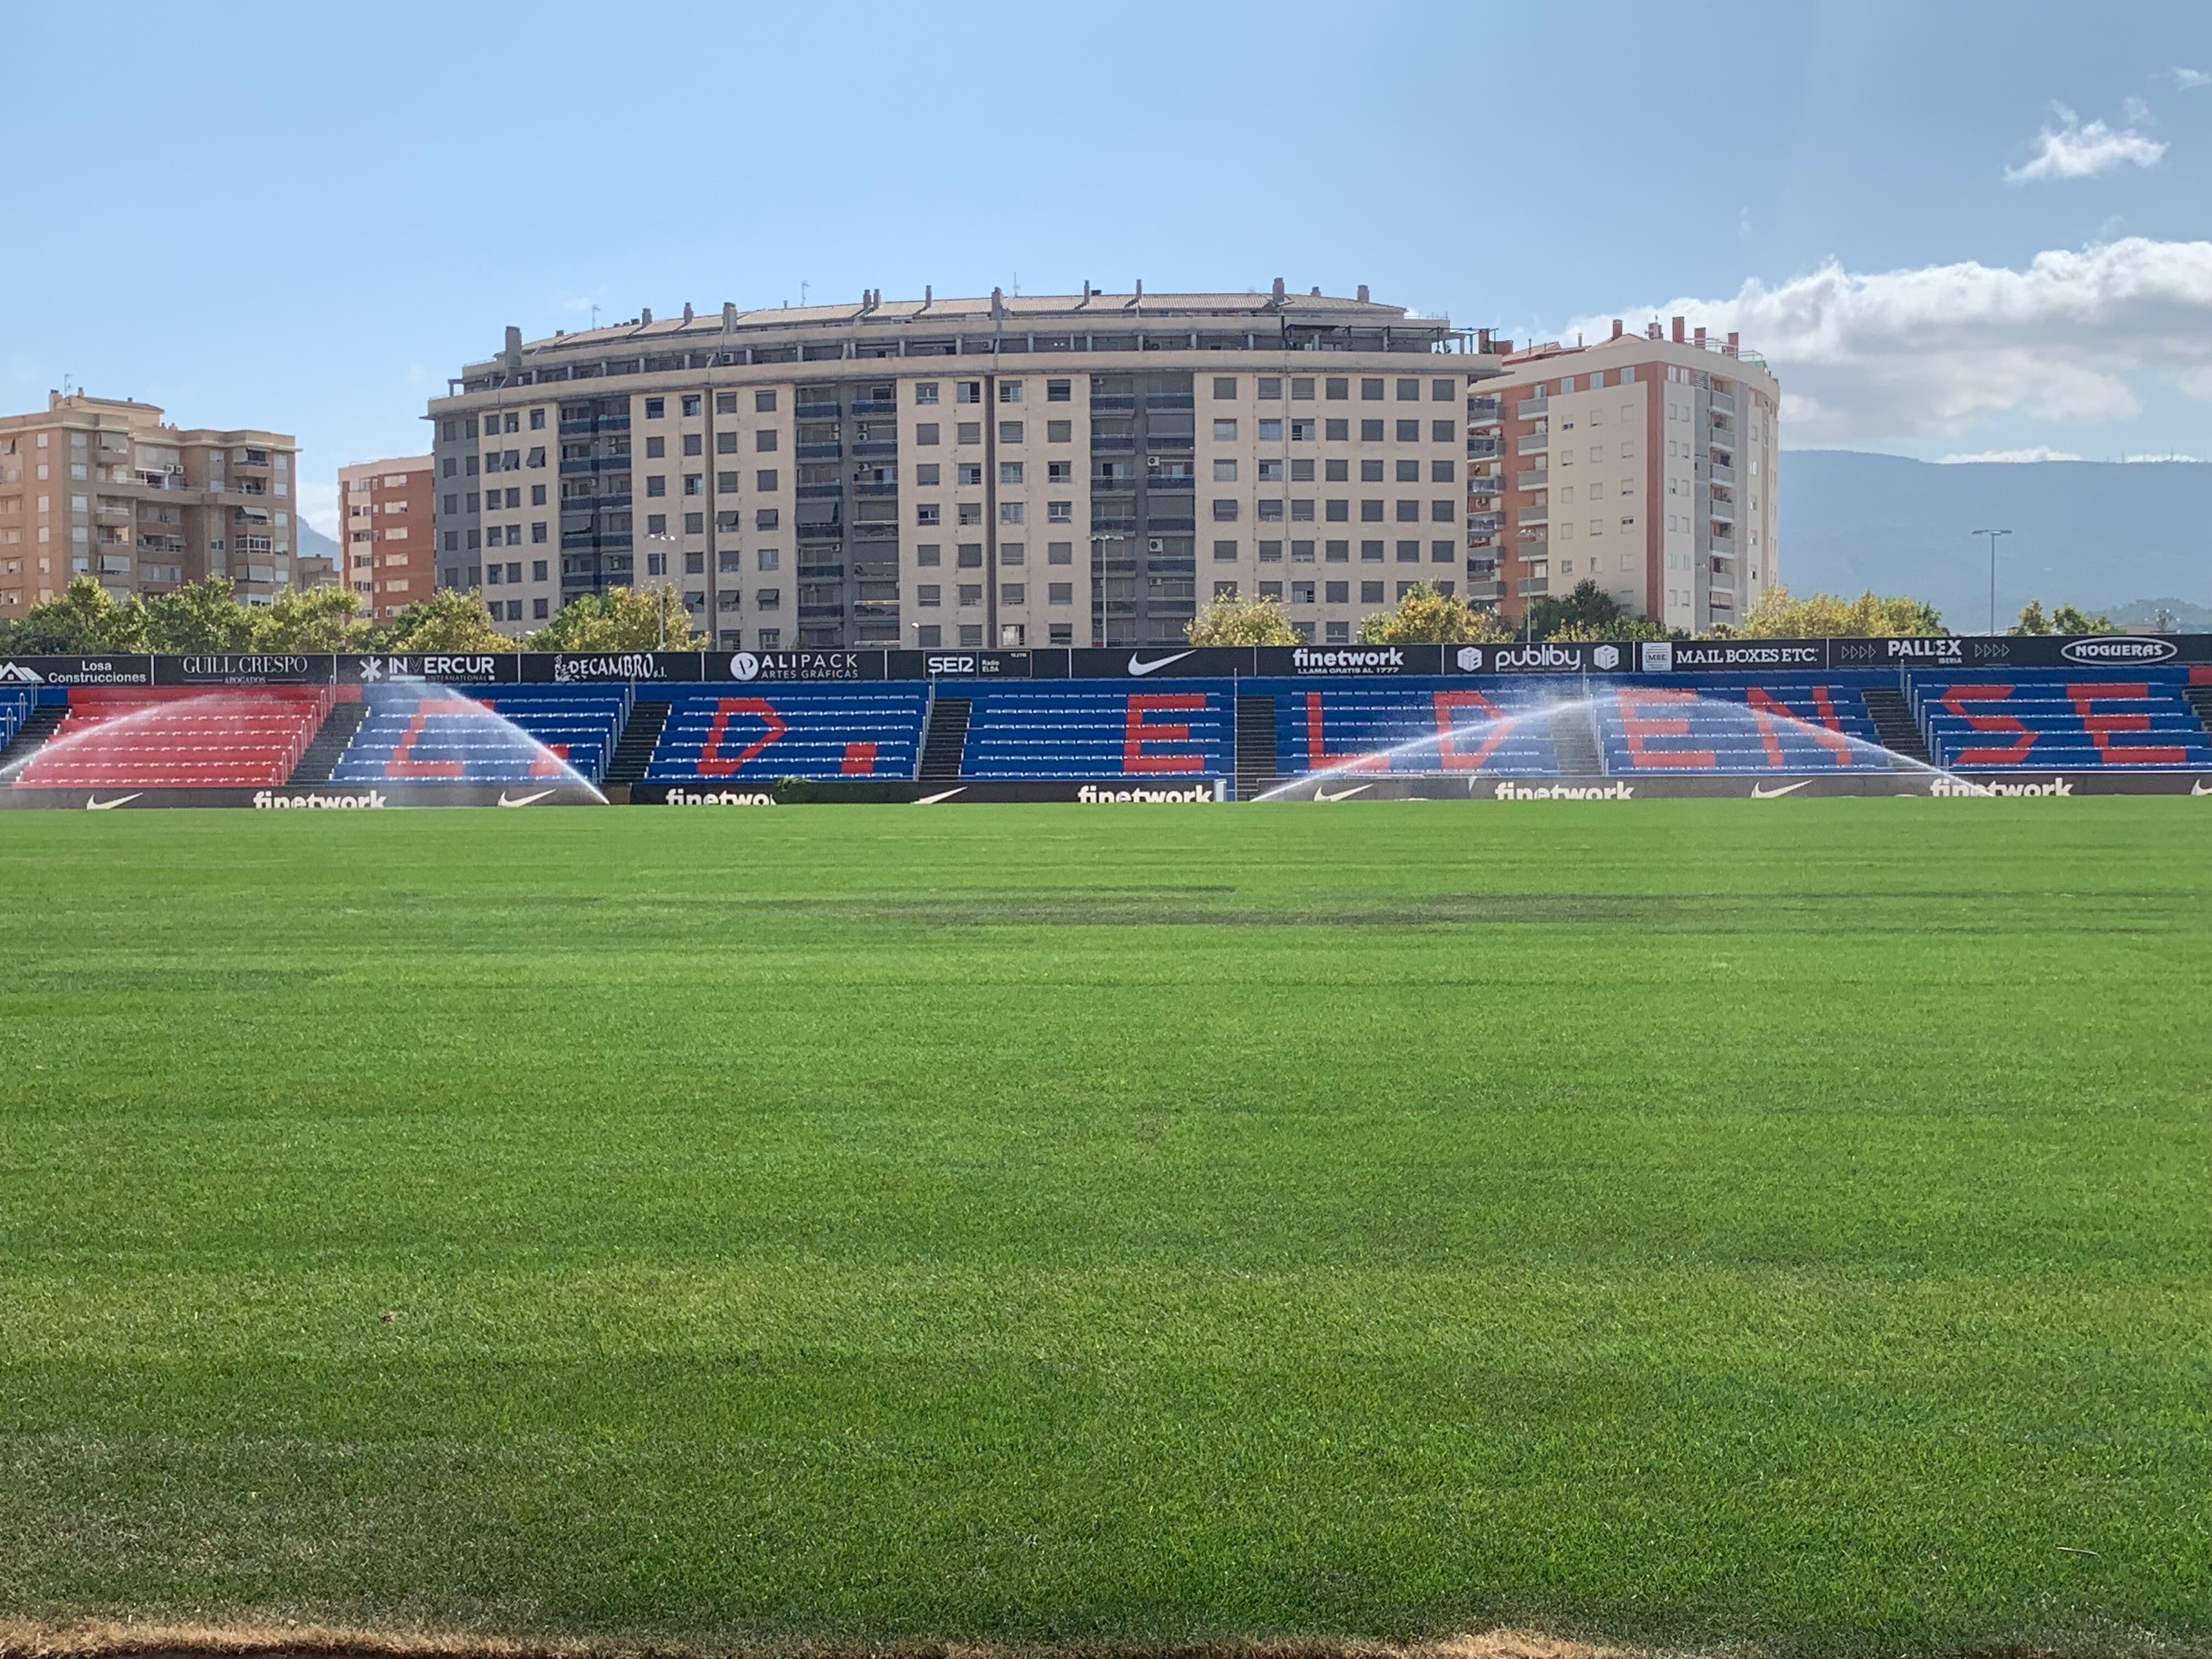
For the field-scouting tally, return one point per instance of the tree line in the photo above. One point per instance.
(86, 620)
(1427, 615)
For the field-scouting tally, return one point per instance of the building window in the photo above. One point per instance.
(764, 403)
(1225, 432)
(1224, 552)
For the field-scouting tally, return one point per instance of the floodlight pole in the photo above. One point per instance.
(1993, 534)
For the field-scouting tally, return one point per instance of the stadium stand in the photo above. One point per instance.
(512, 734)
(1722, 725)
(16, 704)
(1082, 729)
(1356, 724)
(116, 737)
(2062, 723)
(866, 730)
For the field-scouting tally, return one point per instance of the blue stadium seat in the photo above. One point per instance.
(1771, 724)
(483, 734)
(1416, 725)
(1091, 729)
(2138, 719)
(867, 729)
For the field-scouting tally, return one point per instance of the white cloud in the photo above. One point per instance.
(2141, 460)
(2039, 453)
(1896, 354)
(2075, 151)
(2188, 80)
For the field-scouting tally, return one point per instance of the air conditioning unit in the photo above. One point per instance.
(1156, 545)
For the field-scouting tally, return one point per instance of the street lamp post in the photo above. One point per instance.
(1098, 635)
(667, 583)
(1993, 534)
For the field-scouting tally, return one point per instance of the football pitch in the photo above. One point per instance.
(1682, 1223)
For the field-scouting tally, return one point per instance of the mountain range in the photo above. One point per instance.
(2127, 539)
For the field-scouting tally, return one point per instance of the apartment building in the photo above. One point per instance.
(1026, 471)
(104, 487)
(1644, 462)
(388, 536)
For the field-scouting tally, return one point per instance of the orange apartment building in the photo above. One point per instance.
(386, 537)
(105, 487)
(1644, 462)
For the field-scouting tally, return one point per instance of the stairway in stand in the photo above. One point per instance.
(634, 748)
(32, 735)
(1255, 746)
(1574, 740)
(947, 738)
(1893, 723)
(321, 756)
(2200, 699)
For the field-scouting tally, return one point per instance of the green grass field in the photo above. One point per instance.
(1688, 1223)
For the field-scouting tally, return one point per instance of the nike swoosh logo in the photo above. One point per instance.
(1140, 667)
(1759, 791)
(2198, 788)
(1320, 793)
(932, 800)
(526, 800)
(94, 804)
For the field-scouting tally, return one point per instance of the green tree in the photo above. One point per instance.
(201, 616)
(1240, 622)
(315, 619)
(621, 619)
(1586, 607)
(1780, 614)
(1626, 629)
(83, 622)
(1424, 615)
(449, 620)
(2066, 619)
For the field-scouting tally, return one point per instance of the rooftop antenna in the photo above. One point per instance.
(595, 316)
(802, 294)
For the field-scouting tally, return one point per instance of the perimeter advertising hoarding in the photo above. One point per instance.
(1729, 656)
(76, 671)
(247, 668)
(433, 668)
(1543, 657)
(2001, 651)
(773, 667)
(609, 667)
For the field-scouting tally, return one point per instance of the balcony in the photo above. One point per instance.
(1485, 484)
(1721, 472)
(1117, 484)
(1107, 443)
(822, 573)
(821, 613)
(1537, 444)
(1723, 403)
(1532, 515)
(1530, 586)
(819, 451)
(1486, 590)
(1167, 400)
(1535, 479)
(819, 492)
(1720, 435)
(1107, 402)
(1530, 409)
(1175, 480)
(1482, 449)
(1169, 526)
(573, 464)
(1483, 408)
(1484, 524)
(1722, 512)
(816, 411)
(1723, 531)
(875, 406)
(867, 488)
(886, 448)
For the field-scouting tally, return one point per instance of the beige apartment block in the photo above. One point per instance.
(1645, 463)
(1006, 471)
(103, 487)
(387, 534)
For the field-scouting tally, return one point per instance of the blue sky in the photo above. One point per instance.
(336, 207)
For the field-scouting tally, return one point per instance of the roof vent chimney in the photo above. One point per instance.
(687, 311)
(1362, 294)
(1678, 331)
(928, 295)
(1314, 293)
(1732, 342)
(645, 316)
(1278, 290)
(729, 315)
(1616, 328)
(1700, 339)
(1086, 288)
(513, 353)
(998, 303)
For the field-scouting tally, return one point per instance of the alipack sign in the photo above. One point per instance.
(769, 667)
(76, 671)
